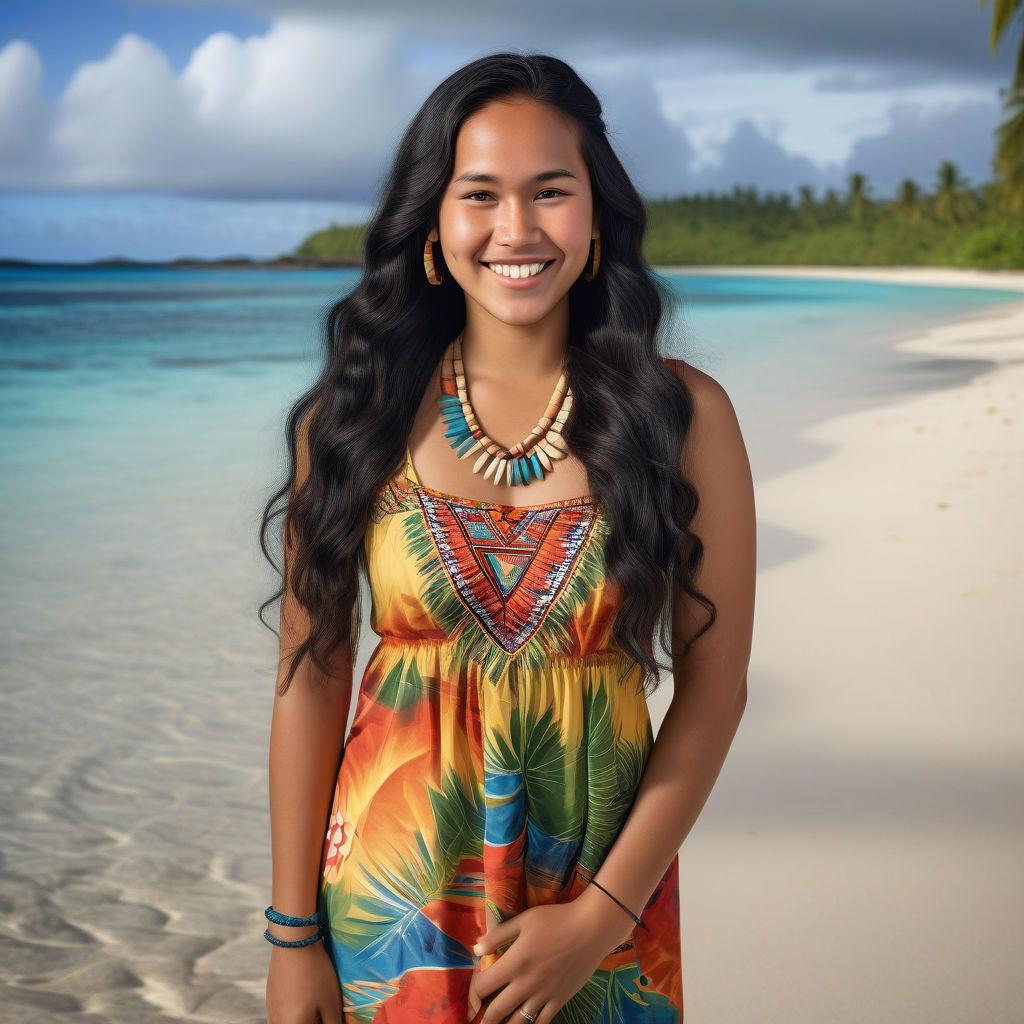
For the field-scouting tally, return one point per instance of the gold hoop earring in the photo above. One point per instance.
(588, 275)
(428, 263)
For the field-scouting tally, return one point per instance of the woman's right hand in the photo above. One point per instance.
(302, 986)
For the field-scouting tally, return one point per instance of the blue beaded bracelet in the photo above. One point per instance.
(277, 918)
(284, 919)
(308, 941)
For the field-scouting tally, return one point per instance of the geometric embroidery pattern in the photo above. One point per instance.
(508, 565)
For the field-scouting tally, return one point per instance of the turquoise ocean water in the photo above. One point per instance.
(140, 435)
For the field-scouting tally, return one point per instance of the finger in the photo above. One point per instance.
(496, 937)
(540, 1013)
(486, 984)
(473, 999)
(548, 1013)
(537, 1012)
(476, 1005)
(506, 1005)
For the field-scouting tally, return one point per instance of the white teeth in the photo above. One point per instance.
(517, 270)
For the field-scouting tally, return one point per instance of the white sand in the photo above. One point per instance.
(860, 857)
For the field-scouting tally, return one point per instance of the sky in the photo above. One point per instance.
(156, 129)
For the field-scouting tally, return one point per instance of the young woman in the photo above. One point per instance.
(497, 446)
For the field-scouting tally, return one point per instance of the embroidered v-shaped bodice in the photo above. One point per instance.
(497, 744)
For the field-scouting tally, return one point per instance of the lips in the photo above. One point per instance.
(521, 263)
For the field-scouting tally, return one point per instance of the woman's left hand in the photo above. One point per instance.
(558, 947)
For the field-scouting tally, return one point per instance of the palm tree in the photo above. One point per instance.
(908, 201)
(857, 198)
(954, 201)
(1009, 155)
(806, 207)
(832, 205)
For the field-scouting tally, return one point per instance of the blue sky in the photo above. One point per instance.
(160, 128)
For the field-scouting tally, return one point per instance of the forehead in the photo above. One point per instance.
(512, 138)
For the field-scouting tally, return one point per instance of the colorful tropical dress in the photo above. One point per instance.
(497, 745)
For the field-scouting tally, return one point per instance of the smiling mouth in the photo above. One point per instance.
(508, 277)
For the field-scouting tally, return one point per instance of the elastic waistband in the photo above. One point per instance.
(604, 656)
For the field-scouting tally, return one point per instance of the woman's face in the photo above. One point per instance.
(512, 217)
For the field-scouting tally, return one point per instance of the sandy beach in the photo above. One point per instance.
(859, 859)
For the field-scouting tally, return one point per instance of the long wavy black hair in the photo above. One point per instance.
(631, 411)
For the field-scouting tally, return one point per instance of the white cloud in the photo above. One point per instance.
(24, 115)
(307, 109)
(121, 119)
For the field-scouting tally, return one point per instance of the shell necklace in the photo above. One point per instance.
(530, 458)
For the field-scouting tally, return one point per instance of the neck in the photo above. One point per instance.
(495, 350)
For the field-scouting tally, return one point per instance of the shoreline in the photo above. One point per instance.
(914, 507)
(920, 496)
(927, 276)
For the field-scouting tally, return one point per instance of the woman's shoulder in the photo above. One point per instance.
(714, 442)
(704, 388)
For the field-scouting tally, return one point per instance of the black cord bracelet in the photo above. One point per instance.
(642, 924)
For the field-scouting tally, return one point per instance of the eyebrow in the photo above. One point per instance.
(490, 179)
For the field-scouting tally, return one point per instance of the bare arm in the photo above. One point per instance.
(710, 684)
(307, 733)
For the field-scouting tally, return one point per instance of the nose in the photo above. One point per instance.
(515, 225)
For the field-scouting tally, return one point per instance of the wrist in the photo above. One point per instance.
(605, 916)
(291, 932)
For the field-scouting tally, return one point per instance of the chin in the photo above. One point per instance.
(519, 319)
